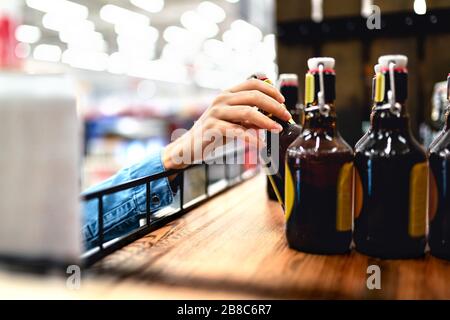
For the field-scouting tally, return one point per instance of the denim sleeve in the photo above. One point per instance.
(123, 210)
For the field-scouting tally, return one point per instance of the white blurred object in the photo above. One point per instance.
(366, 8)
(211, 11)
(47, 52)
(28, 34)
(327, 62)
(39, 168)
(198, 25)
(317, 10)
(420, 7)
(152, 6)
(115, 15)
(60, 7)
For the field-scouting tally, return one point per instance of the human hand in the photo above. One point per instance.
(233, 114)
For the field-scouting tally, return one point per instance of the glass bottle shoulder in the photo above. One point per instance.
(312, 142)
(389, 143)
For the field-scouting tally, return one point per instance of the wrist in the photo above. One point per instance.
(170, 155)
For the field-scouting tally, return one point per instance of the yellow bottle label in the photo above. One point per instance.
(309, 88)
(418, 183)
(289, 192)
(275, 188)
(344, 198)
(358, 196)
(379, 87)
(433, 197)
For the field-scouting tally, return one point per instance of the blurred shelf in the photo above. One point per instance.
(400, 24)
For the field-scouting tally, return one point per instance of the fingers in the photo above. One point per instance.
(254, 84)
(233, 131)
(248, 116)
(260, 100)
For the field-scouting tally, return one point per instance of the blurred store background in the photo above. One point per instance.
(142, 67)
(146, 67)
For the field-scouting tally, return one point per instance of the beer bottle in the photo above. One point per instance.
(319, 171)
(391, 173)
(439, 202)
(275, 167)
(374, 104)
(288, 86)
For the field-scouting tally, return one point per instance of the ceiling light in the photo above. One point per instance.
(28, 34)
(152, 6)
(197, 24)
(60, 7)
(214, 48)
(47, 52)
(139, 32)
(174, 34)
(211, 11)
(115, 14)
(83, 59)
(53, 21)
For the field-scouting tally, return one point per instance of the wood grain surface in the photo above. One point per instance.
(234, 247)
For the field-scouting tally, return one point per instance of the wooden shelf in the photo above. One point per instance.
(234, 247)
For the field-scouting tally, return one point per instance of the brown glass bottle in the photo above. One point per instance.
(276, 153)
(288, 86)
(391, 175)
(439, 202)
(319, 172)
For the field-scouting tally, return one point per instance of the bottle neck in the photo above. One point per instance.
(385, 119)
(317, 117)
(318, 121)
(290, 93)
(385, 115)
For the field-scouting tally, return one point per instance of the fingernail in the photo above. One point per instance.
(283, 99)
(287, 114)
(278, 127)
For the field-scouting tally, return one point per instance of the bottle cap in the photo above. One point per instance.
(288, 77)
(327, 62)
(401, 61)
(258, 75)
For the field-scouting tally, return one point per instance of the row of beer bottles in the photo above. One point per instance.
(383, 184)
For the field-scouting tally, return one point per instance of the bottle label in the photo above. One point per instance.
(289, 191)
(309, 88)
(275, 188)
(379, 87)
(344, 198)
(358, 193)
(433, 197)
(418, 183)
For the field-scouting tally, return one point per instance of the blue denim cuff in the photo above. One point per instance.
(123, 210)
(161, 194)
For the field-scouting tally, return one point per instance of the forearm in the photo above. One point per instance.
(123, 210)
